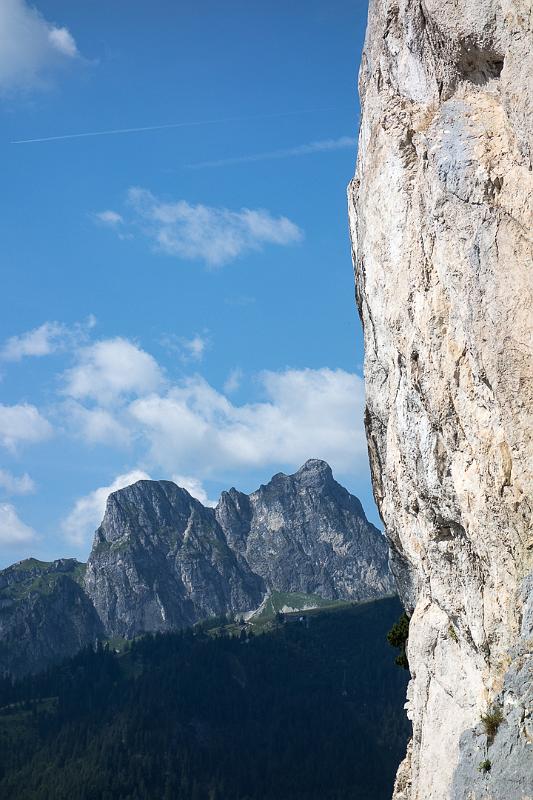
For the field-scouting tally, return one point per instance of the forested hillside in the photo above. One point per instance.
(312, 710)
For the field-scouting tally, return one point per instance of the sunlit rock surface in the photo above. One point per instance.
(160, 561)
(306, 533)
(441, 213)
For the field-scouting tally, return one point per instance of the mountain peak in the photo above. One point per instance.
(314, 470)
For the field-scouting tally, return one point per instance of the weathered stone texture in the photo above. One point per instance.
(440, 213)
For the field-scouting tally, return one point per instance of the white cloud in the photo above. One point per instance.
(188, 350)
(48, 338)
(63, 41)
(39, 342)
(12, 530)
(30, 46)
(96, 425)
(111, 218)
(306, 413)
(195, 488)
(193, 432)
(88, 511)
(214, 235)
(194, 348)
(13, 485)
(233, 381)
(22, 423)
(110, 369)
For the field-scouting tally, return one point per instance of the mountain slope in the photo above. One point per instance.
(307, 712)
(45, 614)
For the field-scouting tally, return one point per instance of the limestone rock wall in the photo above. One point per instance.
(440, 214)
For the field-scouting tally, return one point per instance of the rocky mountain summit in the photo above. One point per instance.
(306, 533)
(440, 211)
(161, 560)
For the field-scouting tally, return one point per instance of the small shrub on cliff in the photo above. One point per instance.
(485, 766)
(452, 633)
(491, 722)
(397, 637)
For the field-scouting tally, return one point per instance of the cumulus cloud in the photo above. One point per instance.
(22, 424)
(12, 530)
(16, 485)
(88, 511)
(63, 41)
(30, 46)
(188, 349)
(110, 369)
(194, 348)
(95, 425)
(50, 337)
(305, 413)
(213, 235)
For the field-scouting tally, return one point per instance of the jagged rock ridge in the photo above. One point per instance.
(440, 214)
(161, 560)
(306, 533)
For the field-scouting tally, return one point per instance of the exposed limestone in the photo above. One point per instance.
(440, 213)
(160, 561)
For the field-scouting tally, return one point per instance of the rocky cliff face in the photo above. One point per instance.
(306, 533)
(45, 614)
(440, 213)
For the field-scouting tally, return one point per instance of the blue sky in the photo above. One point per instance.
(176, 302)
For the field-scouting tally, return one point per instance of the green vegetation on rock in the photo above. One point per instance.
(397, 637)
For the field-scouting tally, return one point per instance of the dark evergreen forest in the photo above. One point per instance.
(311, 710)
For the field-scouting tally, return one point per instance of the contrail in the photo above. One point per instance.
(117, 131)
(289, 152)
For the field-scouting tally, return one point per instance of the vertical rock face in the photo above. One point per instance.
(440, 213)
